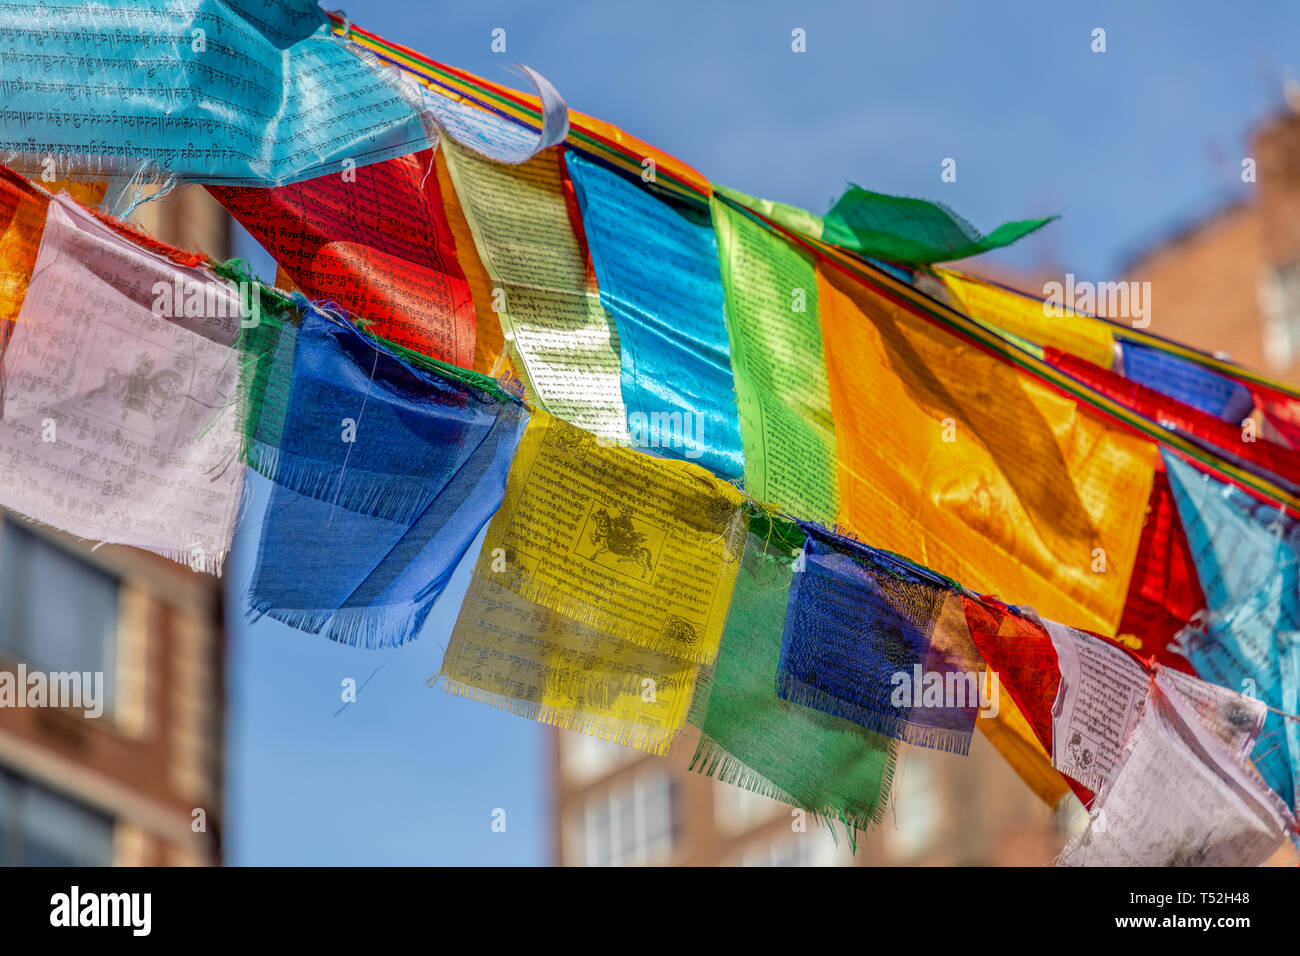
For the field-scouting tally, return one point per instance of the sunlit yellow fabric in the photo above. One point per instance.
(602, 587)
(22, 222)
(967, 466)
(561, 340)
(1022, 316)
(963, 464)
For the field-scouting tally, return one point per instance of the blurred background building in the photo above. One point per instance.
(1231, 281)
(615, 806)
(141, 784)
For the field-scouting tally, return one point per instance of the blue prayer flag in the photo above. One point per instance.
(657, 267)
(874, 639)
(239, 92)
(1201, 388)
(385, 472)
(1245, 553)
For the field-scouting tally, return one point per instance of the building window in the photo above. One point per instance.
(918, 811)
(585, 757)
(736, 809)
(812, 847)
(633, 824)
(39, 827)
(1279, 299)
(58, 612)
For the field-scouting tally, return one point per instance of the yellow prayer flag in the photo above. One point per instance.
(515, 654)
(1023, 316)
(639, 548)
(22, 223)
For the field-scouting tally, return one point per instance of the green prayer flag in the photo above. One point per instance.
(266, 347)
(792, 217)
(834, 769)
(912, 230)
(782, 391)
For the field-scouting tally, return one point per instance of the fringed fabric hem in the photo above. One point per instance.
(397, 499)
(196, 559)
(951, 740)
(373, 628)
(204, 562)
(711, 759)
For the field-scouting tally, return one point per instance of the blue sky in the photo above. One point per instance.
(1126, 145)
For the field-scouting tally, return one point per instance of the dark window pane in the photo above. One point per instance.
(57, 612)
(8, 821)
(45, 828)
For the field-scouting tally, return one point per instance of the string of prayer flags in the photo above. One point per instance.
(560, 339)
(521, 656)
(750, 738)
(642, 549)
(949, 456)
(619, 593)
(1181, 797)
(902, 229)
(1226, 439)
(119, 416)
(225, 91)
(771, 309)
(656, 264)
(494, 136)
(883, 643)
(386, 469)
(375, 242)
(1201, 388)
(1245, 556)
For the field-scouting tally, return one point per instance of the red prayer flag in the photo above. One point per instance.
(375, 241)
(1020, 651)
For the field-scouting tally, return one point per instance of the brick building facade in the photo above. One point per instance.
(1231, 282)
